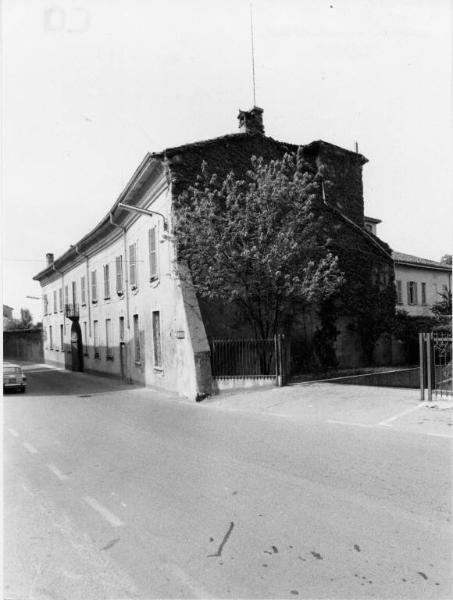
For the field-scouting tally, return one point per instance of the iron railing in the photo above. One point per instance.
(435, 364)
(71, 310)
(247, 358)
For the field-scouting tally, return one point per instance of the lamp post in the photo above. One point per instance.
(144, 211)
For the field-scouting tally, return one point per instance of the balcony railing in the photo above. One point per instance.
(71, 310)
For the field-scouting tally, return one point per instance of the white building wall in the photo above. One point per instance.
(182, 338)
(435, 281)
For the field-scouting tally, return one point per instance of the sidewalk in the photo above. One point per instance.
(348, 405)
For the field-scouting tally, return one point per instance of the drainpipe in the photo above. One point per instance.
(87, 286)
(126, 280)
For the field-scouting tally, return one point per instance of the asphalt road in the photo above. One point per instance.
(119, 492)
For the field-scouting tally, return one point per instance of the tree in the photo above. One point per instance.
(444, 305)
(446, 259)
(25, 321)
(258, 242)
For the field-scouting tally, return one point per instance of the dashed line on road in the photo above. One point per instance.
(401, 414)
(30, 448)
(104, 512)
(61, 476)
(196, 588)
(13, 432)
(349, 423)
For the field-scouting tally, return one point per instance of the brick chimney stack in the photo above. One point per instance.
(251, 121)
(49, 259)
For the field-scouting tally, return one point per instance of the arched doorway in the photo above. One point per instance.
(76, 347)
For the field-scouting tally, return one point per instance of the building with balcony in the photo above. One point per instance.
(118, 302)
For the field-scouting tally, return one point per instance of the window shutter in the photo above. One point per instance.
(119, 274)
(152, 253)
(133, 265)
(409, 299)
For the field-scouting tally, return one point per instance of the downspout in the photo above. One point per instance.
(87, 287)
(126, 280)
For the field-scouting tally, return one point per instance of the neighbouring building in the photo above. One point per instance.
(419, 281)
(115, 302)
(7, 315)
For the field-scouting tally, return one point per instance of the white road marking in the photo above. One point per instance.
(196, 588)
(401, 414)
(443, 435)
(61, 476)
(104, 512)
(30, 448)
(13, 432)
(348, 423)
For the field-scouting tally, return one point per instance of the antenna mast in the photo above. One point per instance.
(253, 54)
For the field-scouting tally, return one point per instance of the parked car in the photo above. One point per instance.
(13, 378)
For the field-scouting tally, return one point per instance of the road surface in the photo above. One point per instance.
(117, 492)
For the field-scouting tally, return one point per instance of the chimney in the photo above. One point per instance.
(251, 121)
(49, 259)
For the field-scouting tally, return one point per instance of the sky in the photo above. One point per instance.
(89, 87)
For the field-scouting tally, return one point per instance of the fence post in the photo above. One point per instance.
(421, 346)
(429, 365)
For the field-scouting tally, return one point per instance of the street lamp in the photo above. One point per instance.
(144, 211)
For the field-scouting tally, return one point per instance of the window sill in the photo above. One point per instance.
(86, 354)
(94, 302)
(97, 355)
(158, 369)
(109, 358)
(120, 294)
(154, 279)
(106, 298)
(138, 363)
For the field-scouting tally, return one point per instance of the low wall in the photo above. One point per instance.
(403, 378)
(23, 344)
(220, 384)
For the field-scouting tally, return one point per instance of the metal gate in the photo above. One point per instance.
(435, 365)
(248, 358)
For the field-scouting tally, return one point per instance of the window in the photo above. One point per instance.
(66, 295)
(133, 265)
(152, 236)
(55, 301)
(156, 340)
(108, 339)
(96, 339)
(399, 292)
(83, 291)
(137, 340)
(106, 282)
(46, 304)
(60, 298)
(423, 293)
(50, 338)
(94, 289)
(412, 292)
(62, 338)
(435, 293)
(121, 329)
(85, 339)
(119, 275)
(74, 293)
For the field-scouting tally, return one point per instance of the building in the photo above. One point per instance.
(7, 316)
(419, 283)
(119, 303)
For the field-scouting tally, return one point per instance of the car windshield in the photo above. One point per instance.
(11, 370)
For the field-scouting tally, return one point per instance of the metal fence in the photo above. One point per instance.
(248, 358)
(435, 365)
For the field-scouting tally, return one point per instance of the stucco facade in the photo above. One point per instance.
(419, 283)
(133, 316)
